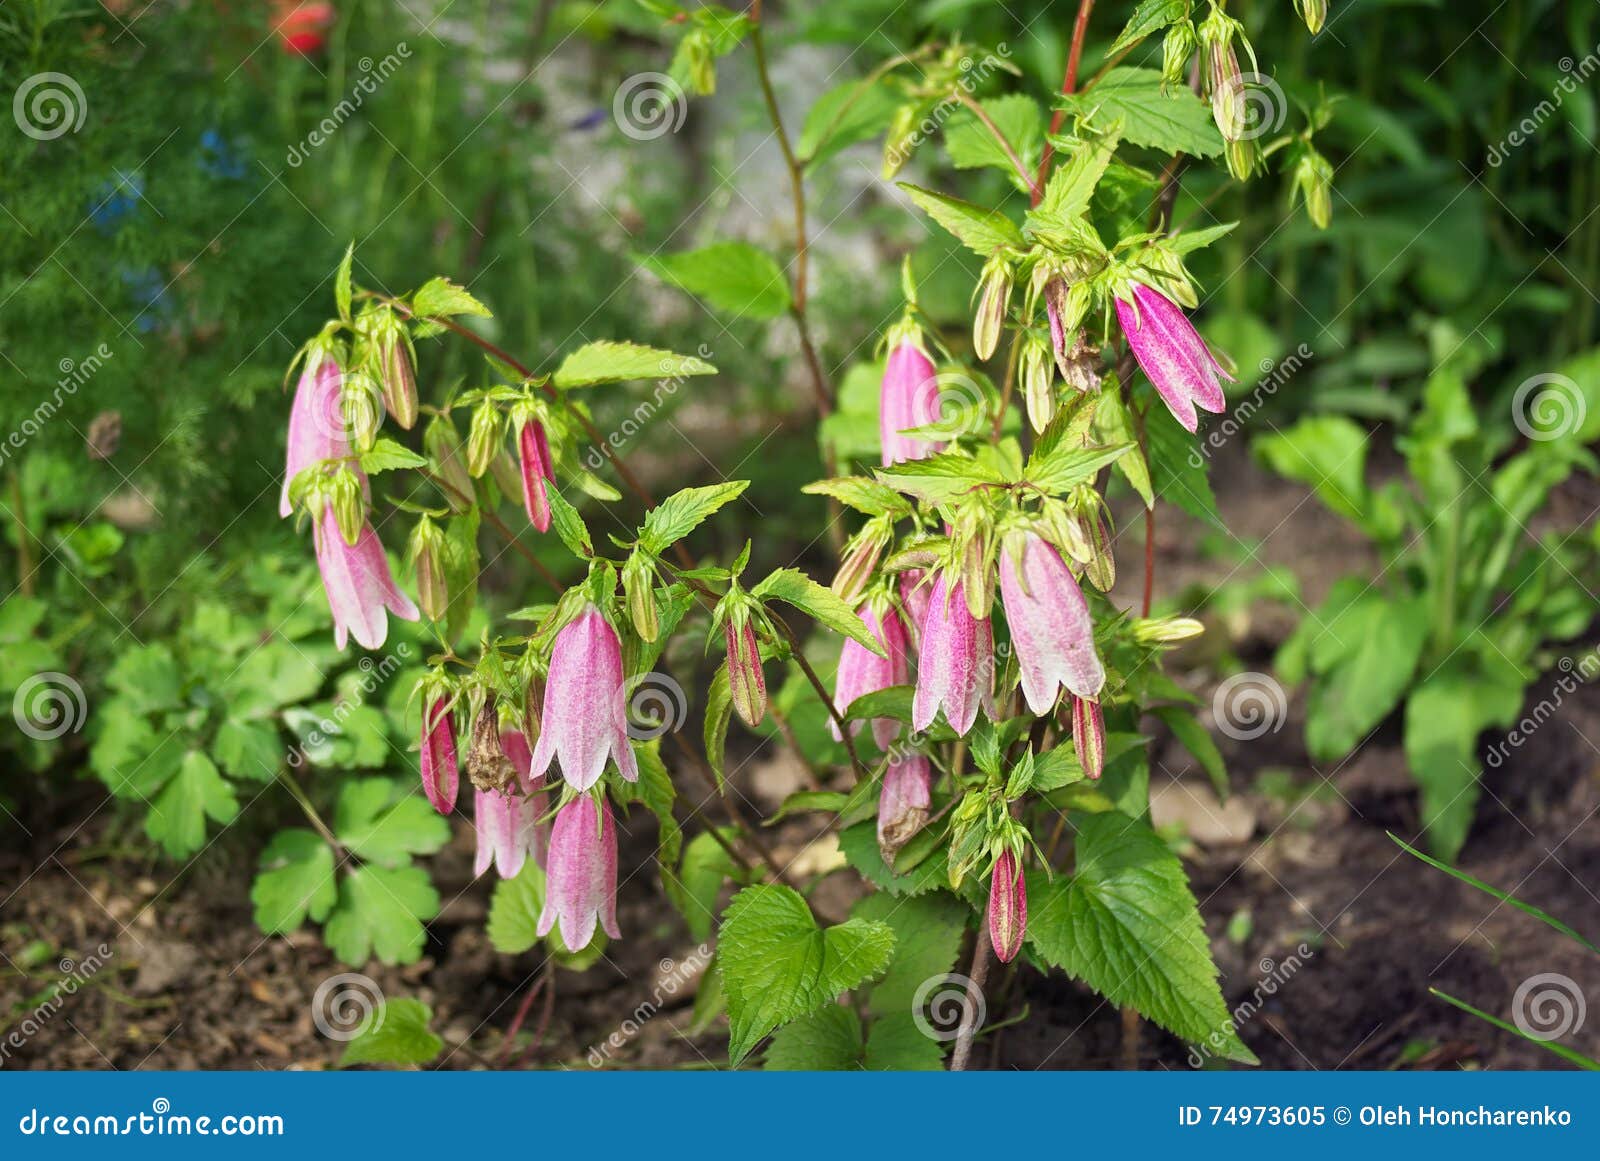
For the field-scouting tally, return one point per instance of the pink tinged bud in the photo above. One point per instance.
(585, 714)
(1008, 907)
(506, 824)
(536, 472)
(441, 776)
(316, 425)
(909, 399)
(358, 583)
(1089, 735)
(903, 803)
(747, 684)
(581, 888)
(862, 672)
(955, 668)
(1050, 625)
(1172, 354)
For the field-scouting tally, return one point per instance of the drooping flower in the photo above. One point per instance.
(1008, 907)
(862, 672)
(316, 423)
(505, 823)
(903, 802)
(747, 682)
(358, 583)
(914, 598)
(955, 665)
(585, 715)
(909, 399)
(535, 798)
(441, 775)
(1050, 625)
(1172, 354)
(534, 448)
(581, 888)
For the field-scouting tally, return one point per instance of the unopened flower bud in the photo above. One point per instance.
(484, 438)
(397, 371)
(487, 764)
(699, 63)
(1224, 80)
(349, 506)
(1313, 181)
(861, 556)
(746, 682)
(994, 298)
(1242, 157)
(638, 586)
(1008, 907)
(443, 446)
(1037, 371)
(1166, 630)
(427, 554)
(1314, 13)
(362, 404)
(1101, 567)
(899, 141)
(1176, 50)
(1089, 735)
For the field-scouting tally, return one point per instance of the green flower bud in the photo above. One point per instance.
(427, 554)
(900, 141)
(638, 586)
(349, 505)
(443, 446)
(1176, 50)
(1036, 368)
(994, 298)
(484, 438)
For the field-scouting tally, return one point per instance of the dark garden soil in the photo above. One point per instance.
(1328, 935)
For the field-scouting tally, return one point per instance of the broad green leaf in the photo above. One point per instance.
(1056, 768)
(656, 792)
(439, 297)
(862, 494)
(380, 821)
(177, 818)
(1115, 426)
(1328, 453)
(386, 455)
(854, 111)
(380, 912)
(1191, 240)
(896, 1044)
(397, 1033)
(1194, 737)
(972, 146)
(514, 909)
(719, 716)
(295, 881)
(778, 965)
(249, 750)
(1178, 466)
(569, 526)
(147, 678)
(981, 230)
(939, 478)
(1170, 120)
(1381, 640)
(706, 867)
(733, 277)
(612, 362)
(829, 1041)
(1126, 923)
(1151, 16)
(1072, 184)
(684, 511)
(271, 677)
(1066, 467)
(927, 939)
(860, 846)
(819, 603)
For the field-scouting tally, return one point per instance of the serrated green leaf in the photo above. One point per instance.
(1191, 240)
(380, 821)
(248, 750)
(864, 495)
(439, 297)
(706, 867)
(895, 1043)
(1072, 184)
(1126, 923)
(514, 909)
(147, 678)
(1171, 120)
(295, 881)
(981, 230)
(613, 362)
(569, 526)
(859, 843)
(380, 912)
(778, 965)
(177, 818)
(684, 511)
(819, 603)
(397, 1033)
(927, 939)
(733, 277)
(386, 455)
(1150, 16)
(971, 145)
(854, 111)
(828, 1041)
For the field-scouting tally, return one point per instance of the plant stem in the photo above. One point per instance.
(25, 565)
(970, 1011)
(982, 115)
(1069, 84)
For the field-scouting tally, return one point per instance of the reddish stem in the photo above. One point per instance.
(1069, 85)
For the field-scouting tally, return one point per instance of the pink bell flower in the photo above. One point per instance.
(507, 825)
(537, 472)
(1008, 907)
(316, 425)
(1050, 625)
(585, 715)
(914, 598)
(359, 585)
(955, 667)
(909, 399)
(581, 888)
(441, 773)
(862, 672)
(1172, 354)
(903, 802)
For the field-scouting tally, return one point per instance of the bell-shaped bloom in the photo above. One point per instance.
(1172, 354)
(585, 715)
(914, 598)
(903, 802)
(1008, 907)
(359, 585)
(507, 826)
(581, 883)
(955, 665)
(536, 800)
(537, 473)
(316, 425)
(909, 399)
(1050, 625)
(861, 671)
(441, 774)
